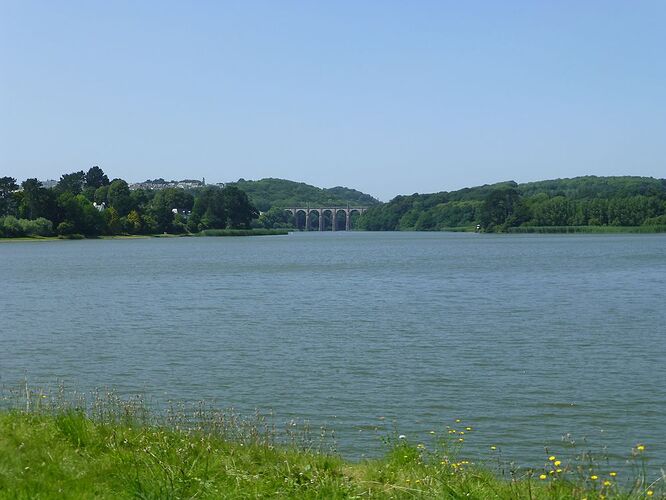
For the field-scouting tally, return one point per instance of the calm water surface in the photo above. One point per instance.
(526, 338)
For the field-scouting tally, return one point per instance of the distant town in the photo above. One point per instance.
(154, 184)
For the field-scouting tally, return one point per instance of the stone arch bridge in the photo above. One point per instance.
(333, 211)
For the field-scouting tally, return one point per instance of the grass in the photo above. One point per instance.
(108, 447)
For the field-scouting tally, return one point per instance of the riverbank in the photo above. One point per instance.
(206, 233)
(587, 229)
(67, 454)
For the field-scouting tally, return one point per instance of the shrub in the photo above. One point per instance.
(12, 227)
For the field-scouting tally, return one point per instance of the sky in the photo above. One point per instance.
(388, 97)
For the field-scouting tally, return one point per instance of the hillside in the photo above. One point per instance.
(577, 202)
(270, 192)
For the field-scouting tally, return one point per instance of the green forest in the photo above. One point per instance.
(587, 203)
(268, 193)
(88, 204)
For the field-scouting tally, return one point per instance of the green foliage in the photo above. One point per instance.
(276, 218)
(36, 201)
(268, 193)
(53, 452)
(71, 183)
(81, 214)
(118, 197)
(96, 178)
(580, 202)
(220, 208)
(7, 188)
(11, 227)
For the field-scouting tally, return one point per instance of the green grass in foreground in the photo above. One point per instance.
(67, 454)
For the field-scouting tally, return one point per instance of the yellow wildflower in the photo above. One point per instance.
(613, 474)
(640, 447)
(460, 440)
(551, 458)
(493, 447)
(557, 463)
(594, 477)
(607, 483)
(649, 493)
(542, 477)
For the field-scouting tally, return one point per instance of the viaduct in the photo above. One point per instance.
(333, 211)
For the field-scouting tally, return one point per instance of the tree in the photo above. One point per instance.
(502, 208)
(119, 197)
(112, 221)
(7, 187)
(96, 178)
(81, 214)
(71, 183)
(37, 201)
(276, 218)
(101, 195)
(134, 222)
(160, 209)
(209, 211)
(239, 210)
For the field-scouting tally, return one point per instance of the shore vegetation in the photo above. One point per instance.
(100, 445)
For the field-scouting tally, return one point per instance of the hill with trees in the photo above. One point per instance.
(588, 201)
(268, 193)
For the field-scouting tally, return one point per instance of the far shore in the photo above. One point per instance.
(283, 232)
(206, 233)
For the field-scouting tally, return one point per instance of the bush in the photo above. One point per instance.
(655, 221)
(37, 227)
(65, 228)
(12, 227)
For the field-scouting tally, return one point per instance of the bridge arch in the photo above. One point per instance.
(310, 218)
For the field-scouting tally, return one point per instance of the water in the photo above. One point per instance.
(524, 337)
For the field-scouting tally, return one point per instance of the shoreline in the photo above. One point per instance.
(208, 233)
(47, 450)
(283, 232)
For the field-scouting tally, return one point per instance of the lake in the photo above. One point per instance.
(524, 337)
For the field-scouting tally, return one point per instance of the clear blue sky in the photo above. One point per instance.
(390, 97)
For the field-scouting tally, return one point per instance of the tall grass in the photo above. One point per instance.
(60, 444)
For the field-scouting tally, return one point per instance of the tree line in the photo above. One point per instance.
(89, 204)
(577, 202)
